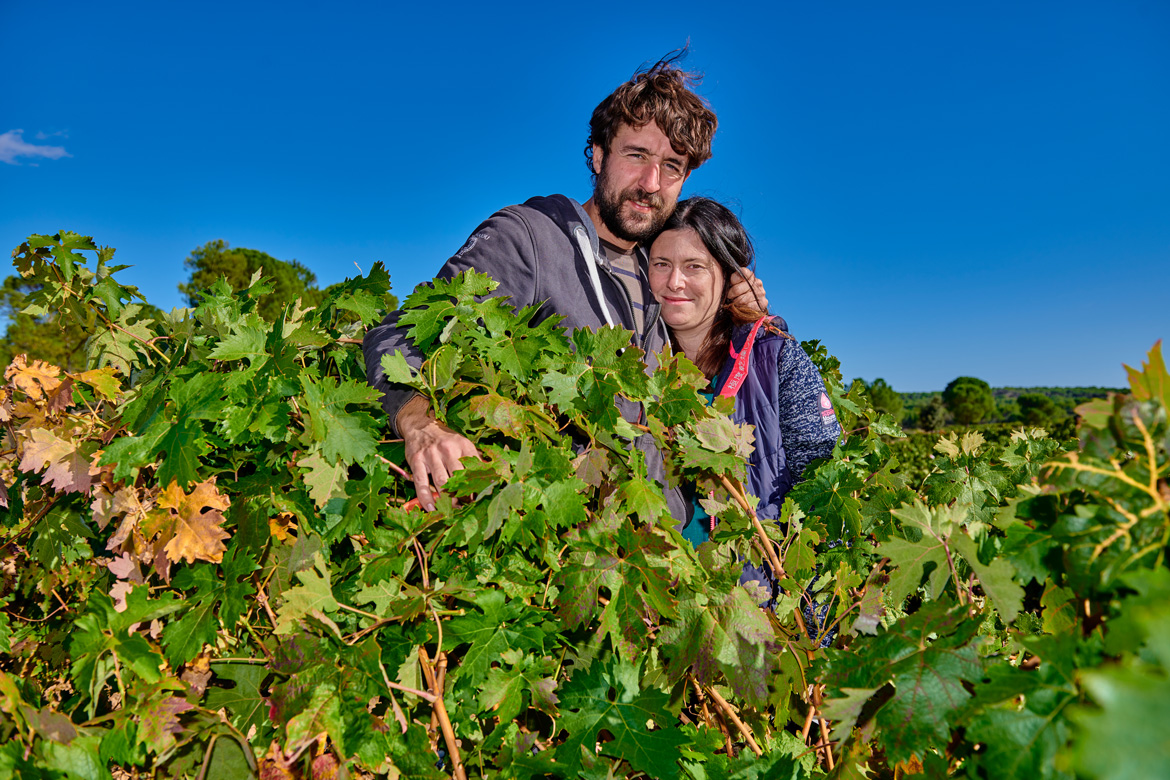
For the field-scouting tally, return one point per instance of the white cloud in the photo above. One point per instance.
(13, 145)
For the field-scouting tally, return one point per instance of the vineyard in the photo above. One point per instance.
(213, 568)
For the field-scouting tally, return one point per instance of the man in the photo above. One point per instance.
(584, 262)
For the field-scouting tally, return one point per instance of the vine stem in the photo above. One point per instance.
(826, 744)
(357, 611)
(395, 468)
(729, 711)
(828, 754)
(959, 590)
(398, 715)
(808, 719)
(437, 706)
(762, 540)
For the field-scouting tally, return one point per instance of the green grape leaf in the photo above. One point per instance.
(1125, 739)
(344, 436)
(243, 699)
(499, 625)
(325, 480)
(314, 593)
(829, 495)
(997, 578)
(322, 714)
(723, 634)
(608, 697)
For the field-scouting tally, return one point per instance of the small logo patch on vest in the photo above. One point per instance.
(827, 413)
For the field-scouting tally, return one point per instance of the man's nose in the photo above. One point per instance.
(650, 180)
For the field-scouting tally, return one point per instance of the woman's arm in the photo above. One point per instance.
(808, 424)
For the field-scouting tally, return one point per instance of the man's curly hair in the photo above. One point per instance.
(662, 95)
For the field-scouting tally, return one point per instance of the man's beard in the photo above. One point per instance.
(638, 228)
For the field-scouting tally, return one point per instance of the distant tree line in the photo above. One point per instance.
(970, 401)
(48, 337)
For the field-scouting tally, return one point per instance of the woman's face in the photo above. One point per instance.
(687, 281)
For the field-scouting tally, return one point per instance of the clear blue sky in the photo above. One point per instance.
(935, 189)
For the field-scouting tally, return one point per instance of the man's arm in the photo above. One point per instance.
(500, 247)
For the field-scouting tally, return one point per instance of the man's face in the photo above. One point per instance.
(638, 182)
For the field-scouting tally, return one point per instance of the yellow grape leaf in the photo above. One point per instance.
(37, 380)
(68, 469)
(197, 534)
(104, 380)
(1153, 381)
(280, 525)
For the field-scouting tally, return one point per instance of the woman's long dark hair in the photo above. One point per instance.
(725, 238)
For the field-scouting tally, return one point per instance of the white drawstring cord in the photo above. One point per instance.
(591, 261)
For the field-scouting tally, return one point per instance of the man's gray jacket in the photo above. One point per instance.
(537, 253)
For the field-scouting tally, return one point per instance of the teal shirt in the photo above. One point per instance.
(696, 531)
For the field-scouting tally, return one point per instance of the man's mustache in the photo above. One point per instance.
(653, 199)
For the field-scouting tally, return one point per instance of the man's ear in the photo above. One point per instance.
(598, 154)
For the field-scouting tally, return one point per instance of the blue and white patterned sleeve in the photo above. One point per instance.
(808, 423)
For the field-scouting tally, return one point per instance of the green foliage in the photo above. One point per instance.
(885, 399)
(214, 569)
(1007, 405)
(969, 400)
(933, 416)
(288, 280)
(1036, 409)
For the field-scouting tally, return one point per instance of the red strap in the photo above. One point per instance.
(739, 371)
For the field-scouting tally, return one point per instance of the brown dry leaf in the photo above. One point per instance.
(102, 506)
(31, 415)
(5, 404)
(274, 766)
(125, 501)
(37, 380)
(119, 593)
(62, 398)
(124, 567)
(197, 673)
(911, 767)
(197, 534)
(69, 470)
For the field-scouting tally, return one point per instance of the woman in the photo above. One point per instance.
(776, 387)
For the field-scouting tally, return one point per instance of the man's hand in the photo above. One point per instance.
(433, 450)
(747, 290)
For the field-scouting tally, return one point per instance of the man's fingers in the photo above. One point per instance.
(747, 290)
(435, 460)
(421, 475)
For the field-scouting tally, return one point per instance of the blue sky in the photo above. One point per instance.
(935, 189)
